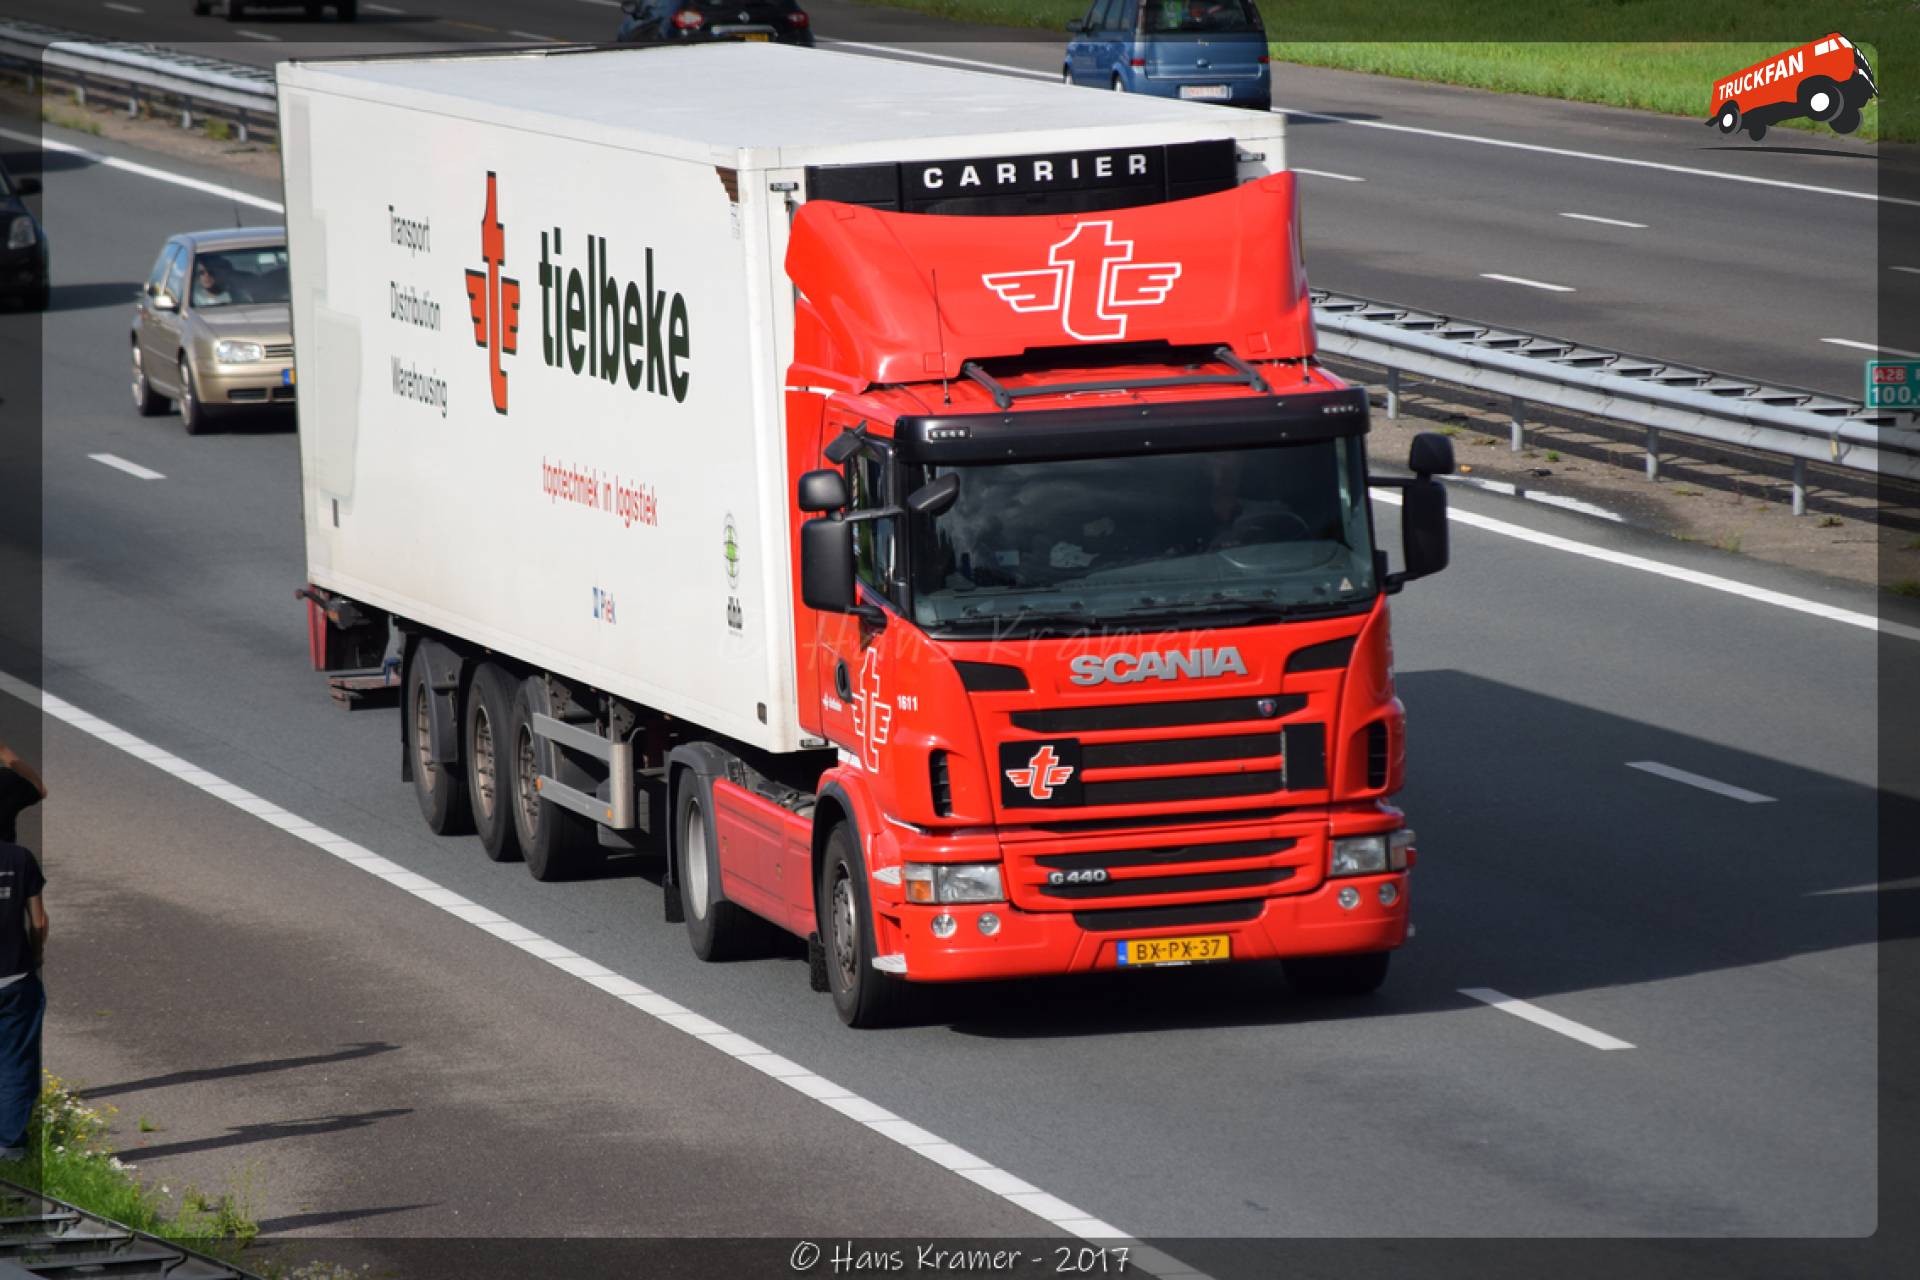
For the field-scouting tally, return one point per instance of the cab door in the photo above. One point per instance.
(156, 328)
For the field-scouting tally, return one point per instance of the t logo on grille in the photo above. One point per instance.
(1042, 774)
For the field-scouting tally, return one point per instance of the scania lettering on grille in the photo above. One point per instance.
(1173, 664)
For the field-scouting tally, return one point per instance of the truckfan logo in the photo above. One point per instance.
(1093, 277)
(1828, 80)
(1042, 774)
(495, 299)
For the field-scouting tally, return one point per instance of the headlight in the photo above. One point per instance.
(1359, 855)
(20, 232)
(932, 882)
(227, 352)
(1397, 845)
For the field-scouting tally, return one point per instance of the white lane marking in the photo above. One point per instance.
(1597, 156)
(146, 171)
(1551, 499)
(389, 9)
(604, 4)
(1718, 788)
(535, 35)
(1531, 284)
(1052, 77)
(662, 1009)
(131, 468)
(1541, 1018)
(257, 35)
(122, 8)
(1607, 222)
(1338, 177)
(1888, 886)
(1712, 582)
(1871, 346)
(1912, 271)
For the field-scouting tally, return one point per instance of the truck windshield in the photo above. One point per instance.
(1150, 541)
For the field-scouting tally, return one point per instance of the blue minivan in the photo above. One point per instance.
(1201, 50)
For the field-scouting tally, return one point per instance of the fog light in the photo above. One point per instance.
(1349, 899)
(1389, 894)
(989, 923)
(944, 925)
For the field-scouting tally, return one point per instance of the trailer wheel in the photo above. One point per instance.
(717, 929)
(1728, 120)
(441, 789)
(862, 995)
(558, 843)
(1820, 98)
(1756, 130)
(1846, 121)
(1357, 975)
(489, 751)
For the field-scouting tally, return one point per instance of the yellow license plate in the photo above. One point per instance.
(1203, 949)
(758, 35)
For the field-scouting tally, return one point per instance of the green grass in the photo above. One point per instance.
(73, 1163)
(1641, 54)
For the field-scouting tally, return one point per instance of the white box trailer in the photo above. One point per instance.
(542, 328)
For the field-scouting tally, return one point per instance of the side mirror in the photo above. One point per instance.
(164, 301)
(935, 497)
(822, 491)
(1423, 522)
(26, 186)
(1431, 455)
(826, 566)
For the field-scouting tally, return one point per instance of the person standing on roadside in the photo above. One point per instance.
(20, 789)
(23, 940)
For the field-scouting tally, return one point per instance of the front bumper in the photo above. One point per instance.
(1030, 943)
(258, 385)
(23, 271)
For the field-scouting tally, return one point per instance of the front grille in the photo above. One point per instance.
(1164, 857)
(1153, 885)
(1377, 754)
(1125, 755)
(1206, 786)
(940, 779)
(280, 351)
(1157, 715)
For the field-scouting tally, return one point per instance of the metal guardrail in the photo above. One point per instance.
(144, 74)
(41, 1236)
(1526, 368)
(1531, 369)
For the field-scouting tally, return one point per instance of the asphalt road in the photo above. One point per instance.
(1731, 944)
(1755, 260)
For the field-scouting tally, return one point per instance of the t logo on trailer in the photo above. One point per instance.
(494, 298)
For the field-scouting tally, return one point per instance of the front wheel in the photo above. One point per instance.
(863, 996)
(1820, 98)
(1355, 975)
(192, 416)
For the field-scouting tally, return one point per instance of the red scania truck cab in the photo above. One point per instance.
(1093, 608)
(914, 511)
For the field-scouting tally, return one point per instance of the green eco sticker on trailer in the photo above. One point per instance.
(1893, 384)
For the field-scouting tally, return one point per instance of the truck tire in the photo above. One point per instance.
(558, 843)
(862, 995)
(1356, 975)
(1846, 121)
(346, 10)
(1756, 130)
(1728, 121)
(487, 746)
(441, 789)
(717, 929)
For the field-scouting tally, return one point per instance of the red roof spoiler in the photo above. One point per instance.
(1210, 270)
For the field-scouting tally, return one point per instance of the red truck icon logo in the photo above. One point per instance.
(494, 298)
(1092, 277)
(1828, 80)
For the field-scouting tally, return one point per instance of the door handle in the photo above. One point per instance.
(842, 684)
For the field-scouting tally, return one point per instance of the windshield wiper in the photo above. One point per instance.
(1027, 618)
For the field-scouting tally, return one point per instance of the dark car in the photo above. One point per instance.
(23, 250)
(648, 21)
(343, 10)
